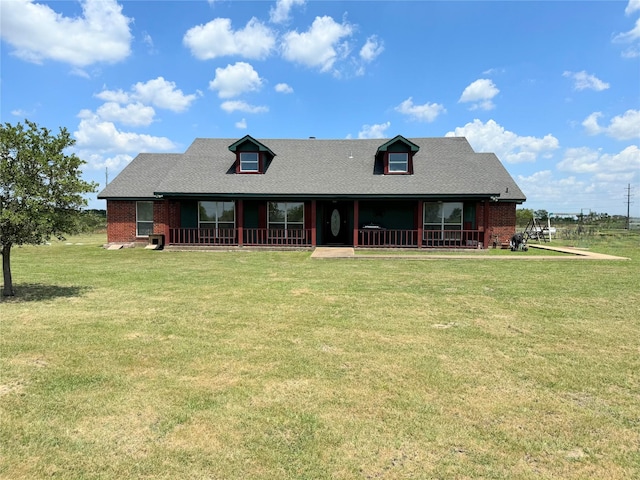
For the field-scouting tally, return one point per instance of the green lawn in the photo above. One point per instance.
(271, 365)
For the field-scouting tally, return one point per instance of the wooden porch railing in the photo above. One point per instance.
(203, 236)
(387, 238)
(229, 236)
(277, 236)
(370, 238)
(383, 238)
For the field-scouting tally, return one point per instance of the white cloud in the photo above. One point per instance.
(584, 81)
(283, 88)
(569, 194)
(374, 131)
(631, 52)
(508, 146)
(99, 136)
(630, 36)
(236, 79)
(586, 160)
(622, 127)
(19, 113)
(38, 33)
(158, 92)
(579, 160)
(242, 124)
(99, 162)
(480, 93)
(79, 72)
(217, 39)
(231, 106)
(632, 6)
(148, 41)
(596, 180)
(134, 114)
(117, 96)
(162, 94)
(371, 49)
(424, 113)
(320, 46)
(281, 12)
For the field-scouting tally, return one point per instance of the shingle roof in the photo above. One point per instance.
(313, 167)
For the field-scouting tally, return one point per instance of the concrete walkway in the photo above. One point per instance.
(572, 254)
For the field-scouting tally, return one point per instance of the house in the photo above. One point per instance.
(399, 192)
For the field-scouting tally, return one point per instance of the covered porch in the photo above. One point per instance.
(416, 223)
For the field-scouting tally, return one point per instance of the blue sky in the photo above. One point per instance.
(553, 88)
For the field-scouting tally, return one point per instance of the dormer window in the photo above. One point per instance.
(396, 156)
(398, 162)
(251, 155)
(250, 162)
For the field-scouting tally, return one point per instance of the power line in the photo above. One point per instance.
(628, 195)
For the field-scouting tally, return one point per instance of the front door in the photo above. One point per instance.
(335, 229)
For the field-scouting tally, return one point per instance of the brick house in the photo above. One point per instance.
(399, 192)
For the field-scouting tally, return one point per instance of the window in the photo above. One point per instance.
(219, 217)
(398, 162)
(144, 219)
(249, 162)
(444, 217)
(286, 215)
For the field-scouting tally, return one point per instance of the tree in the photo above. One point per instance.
(523, 216)
(541, 215)
(41, 192)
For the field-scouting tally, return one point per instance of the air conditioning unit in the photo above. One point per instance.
(156, 241)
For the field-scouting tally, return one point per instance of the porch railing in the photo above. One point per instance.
(203, 236)
(370, 238)
(452, 238)
(389, 238)
(277, 236)
(229, 236)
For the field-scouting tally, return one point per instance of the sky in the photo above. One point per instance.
(551, 87)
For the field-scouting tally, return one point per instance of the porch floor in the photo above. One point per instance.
(574, 254)
(333, 252)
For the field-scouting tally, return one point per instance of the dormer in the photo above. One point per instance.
(396, 156)
(251, 155)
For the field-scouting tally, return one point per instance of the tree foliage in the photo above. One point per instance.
(523, 216)
(41, 189)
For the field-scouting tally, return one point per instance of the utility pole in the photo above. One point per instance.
(628, 206)
(106, 176)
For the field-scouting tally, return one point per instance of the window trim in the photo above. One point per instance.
(258, 162)
(442, 225)
(217, 220)
(138, 221)
(408, 164)
(286, 215)
(404, 162)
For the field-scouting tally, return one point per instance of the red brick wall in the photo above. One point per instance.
(502, 221)
(121, 219)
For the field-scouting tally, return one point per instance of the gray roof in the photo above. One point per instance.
(312, 167)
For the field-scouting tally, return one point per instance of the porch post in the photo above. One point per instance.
(356, 222)
(313, 223)
(240, 222)
(485, 221)
(420, 222)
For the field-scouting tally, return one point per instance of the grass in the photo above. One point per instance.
(471, 252)
(145, 364)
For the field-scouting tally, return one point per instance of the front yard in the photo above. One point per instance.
(245, 364)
